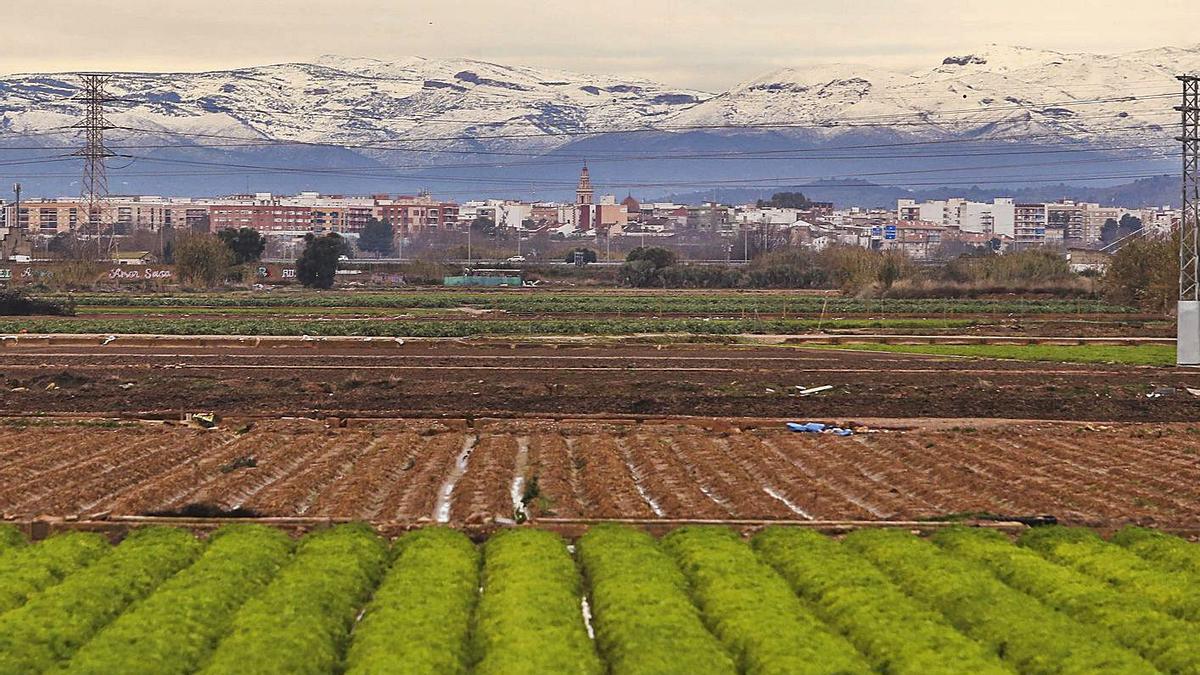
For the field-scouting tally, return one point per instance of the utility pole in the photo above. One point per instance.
(94, 152)
(1187, 348)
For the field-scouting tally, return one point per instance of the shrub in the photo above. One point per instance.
(176, 628)
(15, 302)
(10, 537)
(301, 622)
(529, 618)
(897, 634)
(202, 260)
(1145, 274)
(752, 609)
(644, 621)
(419, 618)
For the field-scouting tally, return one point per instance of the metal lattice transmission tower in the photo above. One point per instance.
(94, 153)
(1188, 344)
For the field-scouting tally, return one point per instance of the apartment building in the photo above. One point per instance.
(1029, 225)
(980, 217)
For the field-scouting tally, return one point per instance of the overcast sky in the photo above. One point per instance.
(704, 44)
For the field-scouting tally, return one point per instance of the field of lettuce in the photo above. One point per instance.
(249, 599)
(539, 302)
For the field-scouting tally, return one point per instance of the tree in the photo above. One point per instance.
(657, 256)
(1145, 274)
(378, 237)
(317, 266)
(245, 244)
(484, 225)
(589, 256)
(202, 259)
(786, 200)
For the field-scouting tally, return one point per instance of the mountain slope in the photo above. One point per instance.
(464, 127)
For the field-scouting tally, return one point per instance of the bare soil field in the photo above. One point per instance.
(476, 471)
(460, 379)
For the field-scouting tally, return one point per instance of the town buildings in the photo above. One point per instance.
(923, 230)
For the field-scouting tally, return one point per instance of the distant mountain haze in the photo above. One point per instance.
(998, 118)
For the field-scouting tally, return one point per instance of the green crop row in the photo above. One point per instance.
(456, 328)
(529, 618)
(28, 569)
(1167, 642)
(177, 627)
(51, 627)
(419, 619)
(1167, 552)
(753, 611)
(1085, 551)
(896, 633)
(645, 623)
(1031, 636)
(10, 537)
(300, 623)
(604, 302)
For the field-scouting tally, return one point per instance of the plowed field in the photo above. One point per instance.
(473, 471)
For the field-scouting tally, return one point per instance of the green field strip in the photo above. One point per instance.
(1126, 571)
(1032, 637)
(1137, 355)
(753, 610)
(300, 623)
(29, 569)
(897, 634)
(175, 629)
(1136, 623)
(529, 618)
(419, 619)
(645, 623)
(47, 630)
(1165, 551)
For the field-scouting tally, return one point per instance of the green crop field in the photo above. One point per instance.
(1138, 355)
(540, 302)
(249, 599)
(462, 327)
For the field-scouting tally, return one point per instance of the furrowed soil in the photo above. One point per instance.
(410, 471)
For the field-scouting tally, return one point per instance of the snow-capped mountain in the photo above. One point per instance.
(366, 125)
(999, 92)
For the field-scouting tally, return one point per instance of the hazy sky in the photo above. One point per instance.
(705, 44)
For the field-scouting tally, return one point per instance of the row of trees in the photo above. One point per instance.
(210, 260)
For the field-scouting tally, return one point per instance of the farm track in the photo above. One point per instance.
(398, 470)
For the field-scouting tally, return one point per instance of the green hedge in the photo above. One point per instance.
(1085, 551)
(26, 570)
(645, 623)
(301, 622)
(1161, 639)
(1031, 636)
(898, 634)
(529, 618)
(48, 629)
(177, 627)
(419, 619)
(753, 610)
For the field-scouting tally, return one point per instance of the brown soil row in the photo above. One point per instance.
(393, 471)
